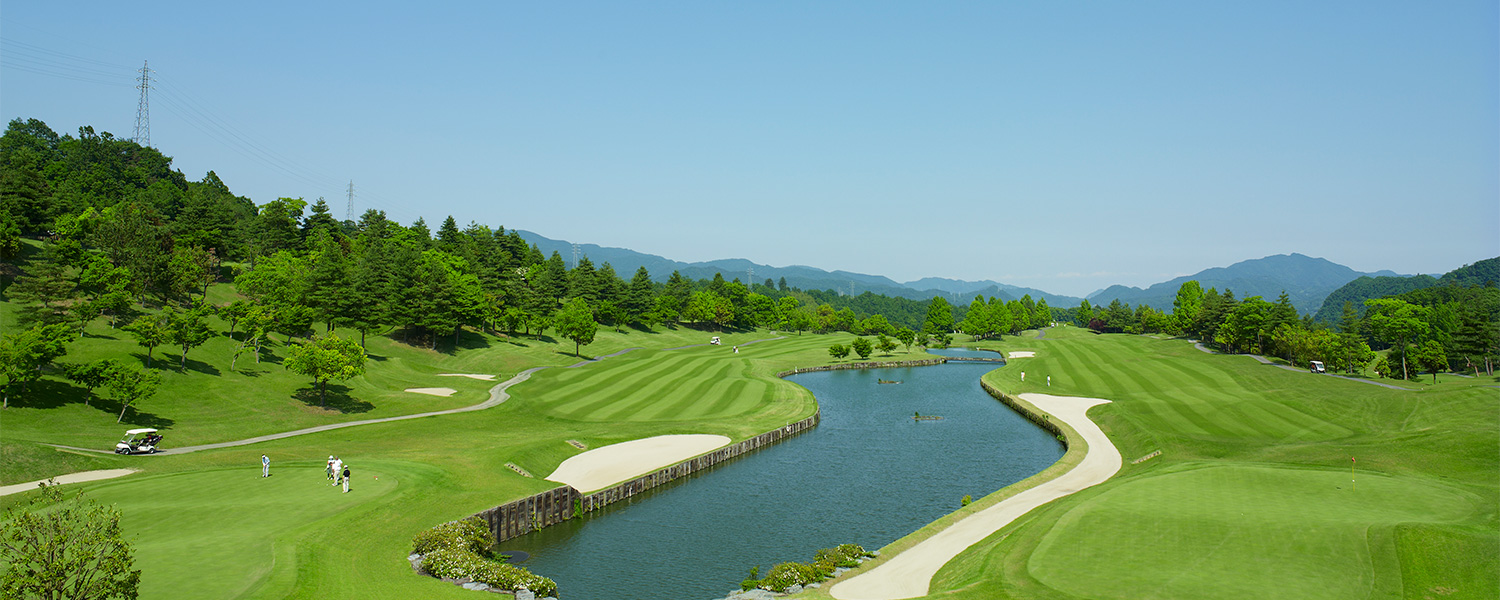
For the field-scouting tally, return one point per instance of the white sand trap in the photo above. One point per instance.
(1022, 354)
(601, 467)
(79, 477)
(433, 391)
(469, 375)
(907, 575)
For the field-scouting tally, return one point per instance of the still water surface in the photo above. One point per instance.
(868, 474)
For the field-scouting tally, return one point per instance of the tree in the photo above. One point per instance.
(187, 330)
(24, 353)
(1185, 307)
(939, 317)
(149, 331)
(862, 347)
(1396, 321)
(884, 344)
(1085, 313)
(576, 322)
(325, 358)
(906, 337)
(129, 385)
(44, 291)
(56, 547)
(838, 351)
(1430, 356)
(89, 375)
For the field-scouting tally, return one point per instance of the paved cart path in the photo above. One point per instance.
(79, 477)
(907, 575)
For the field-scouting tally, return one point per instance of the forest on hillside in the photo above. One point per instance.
(94, 227)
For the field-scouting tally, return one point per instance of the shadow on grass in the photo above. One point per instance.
(134, 416)
(338, 399)
(200, 367)
(47, 393)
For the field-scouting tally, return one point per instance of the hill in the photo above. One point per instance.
(626, 261)
(1366, 288)
(1306, 280)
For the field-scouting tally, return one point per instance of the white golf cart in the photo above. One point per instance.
(715, 341)
(138, 441)
(1317, 367)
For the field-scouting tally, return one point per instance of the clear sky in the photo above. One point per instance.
(1064, 146)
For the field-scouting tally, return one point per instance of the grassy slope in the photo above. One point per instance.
(207, 526)
(1251, 494)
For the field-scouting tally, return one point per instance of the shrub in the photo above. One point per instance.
(753, 580)
(457, 563)
(470, 533)
(966, 500)
(461, 549)
(787, 574)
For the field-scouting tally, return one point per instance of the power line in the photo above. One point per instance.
(143, 109)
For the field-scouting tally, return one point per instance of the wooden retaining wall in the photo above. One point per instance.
(529, 514)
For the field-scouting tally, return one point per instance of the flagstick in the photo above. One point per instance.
(1351, 473)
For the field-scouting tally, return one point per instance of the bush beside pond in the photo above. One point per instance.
(825, 561)
(462, 550)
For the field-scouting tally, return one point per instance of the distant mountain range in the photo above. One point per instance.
(1306, 280)
(626, 261)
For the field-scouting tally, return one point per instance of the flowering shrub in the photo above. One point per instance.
(470, 533)
(787, 574)
(461, 549)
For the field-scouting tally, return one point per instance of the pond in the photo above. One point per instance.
(868, 474)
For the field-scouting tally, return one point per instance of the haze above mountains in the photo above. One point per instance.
(1306, 280)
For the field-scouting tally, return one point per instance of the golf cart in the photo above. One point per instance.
(714, 341)
(138, 441)
(1317, 367)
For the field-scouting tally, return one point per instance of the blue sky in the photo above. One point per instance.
(1064, 147)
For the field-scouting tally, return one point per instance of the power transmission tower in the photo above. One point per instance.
(575, 256)
(349, 212)
(750, 276)
(143, 110)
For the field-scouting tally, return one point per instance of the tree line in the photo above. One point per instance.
(1450, 327)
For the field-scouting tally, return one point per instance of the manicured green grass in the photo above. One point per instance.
(207, 526)
(1251, 495)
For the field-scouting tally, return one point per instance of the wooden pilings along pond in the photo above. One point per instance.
(554, 506)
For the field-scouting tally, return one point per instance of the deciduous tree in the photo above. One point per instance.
(56, 547)
(576, 322)
(326, 358)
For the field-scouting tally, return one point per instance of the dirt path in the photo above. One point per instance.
(907, 575)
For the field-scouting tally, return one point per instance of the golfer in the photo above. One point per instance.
(265, 466)
(338, 467)
(346, 479)
(329, 469)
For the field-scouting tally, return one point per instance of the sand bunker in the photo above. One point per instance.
(601, 467)
(908, 574)
(68, 478)
(469, 375)
(1022, 354)
(433, 391)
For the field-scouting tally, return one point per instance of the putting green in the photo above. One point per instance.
(1200, 531)
(182, 521)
